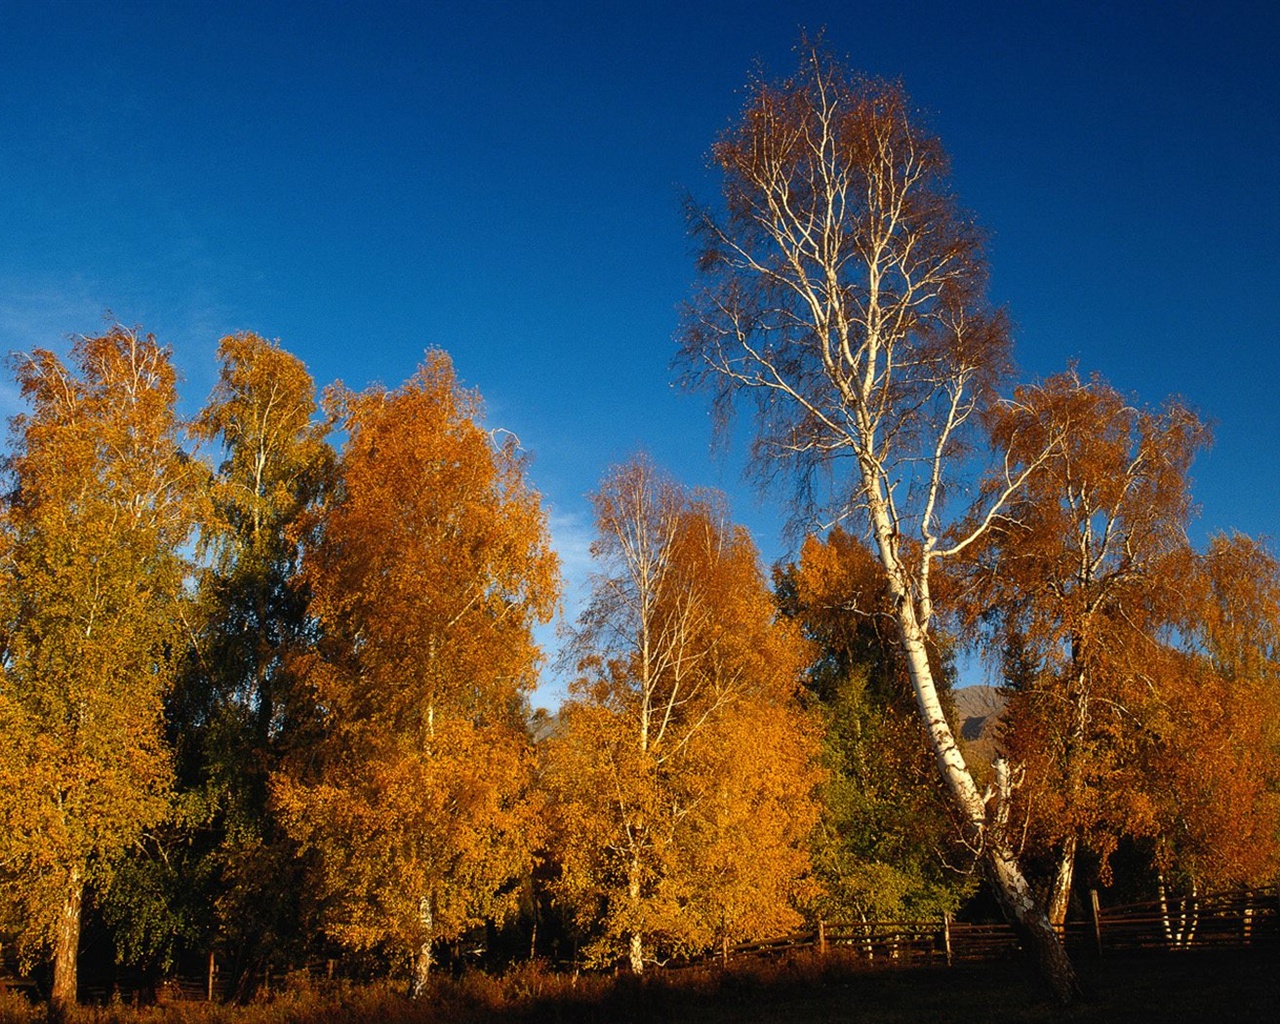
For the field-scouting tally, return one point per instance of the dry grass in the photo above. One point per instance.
(803, 989)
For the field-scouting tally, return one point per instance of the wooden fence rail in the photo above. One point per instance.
(1216, 920)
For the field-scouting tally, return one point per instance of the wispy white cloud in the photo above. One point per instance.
(571, 536)
(40, 315)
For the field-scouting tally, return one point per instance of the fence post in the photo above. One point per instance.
(213, 969)
(822, 937)
(946, 935)
(1097, 920)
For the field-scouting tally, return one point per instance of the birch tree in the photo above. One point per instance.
(682, 772)
(429, 566)
(1213, 733)
(1086, 575)
(844, 291)
(99, 505)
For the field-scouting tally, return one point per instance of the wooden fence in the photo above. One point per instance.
(1225, 920)
(1218, 920)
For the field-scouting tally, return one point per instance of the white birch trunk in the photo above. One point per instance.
(1000, 862)
(1060, 893)
(422, 961)
(635, 943)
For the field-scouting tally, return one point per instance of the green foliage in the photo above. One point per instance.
(883, 844)
(221, 874)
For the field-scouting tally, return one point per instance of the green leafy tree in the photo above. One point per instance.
(224, 875)
(884, 849)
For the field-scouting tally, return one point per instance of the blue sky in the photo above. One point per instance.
(503, 180)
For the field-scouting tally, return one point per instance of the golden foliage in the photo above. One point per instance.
(1138, 706)
(102, 502)
(682, 772)
(428, 568)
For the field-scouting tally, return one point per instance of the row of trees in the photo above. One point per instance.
(279, 704)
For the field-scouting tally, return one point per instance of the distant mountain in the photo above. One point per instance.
(978, 710)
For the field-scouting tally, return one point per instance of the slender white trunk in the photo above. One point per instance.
(422, 961)
(635, 940)
(1180, 925)
(1000, 862)
(1060, 894)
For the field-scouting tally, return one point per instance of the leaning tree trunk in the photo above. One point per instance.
(66, 946)
(983, 824)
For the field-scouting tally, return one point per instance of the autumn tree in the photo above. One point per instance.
(98, 510)
(1212, 731)
(428, 568)
(1083, 575)
(884, 848)
(844, 290)
(237, 706)
(682, 770)
(1139, 711)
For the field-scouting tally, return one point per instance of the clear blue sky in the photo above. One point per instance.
(502, 180)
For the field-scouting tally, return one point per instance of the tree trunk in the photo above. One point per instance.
(983, 826)
(636, 942)
(422, 960)
(1060, 894)
(66, 948)
(1030, 921)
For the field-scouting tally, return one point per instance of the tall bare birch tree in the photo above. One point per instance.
(844, 290)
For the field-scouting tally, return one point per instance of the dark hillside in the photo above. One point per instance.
(978, 710)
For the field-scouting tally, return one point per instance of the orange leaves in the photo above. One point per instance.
(1132, 708)
(681, 774)
(434, 552)
(428, 568)
(103, 499)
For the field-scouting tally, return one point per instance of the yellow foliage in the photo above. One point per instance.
(102, 501)
(682, 772)
(429, 567)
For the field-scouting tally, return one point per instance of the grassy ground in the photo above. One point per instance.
(1223, 986)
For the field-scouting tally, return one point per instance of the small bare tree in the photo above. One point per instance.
(845, 289)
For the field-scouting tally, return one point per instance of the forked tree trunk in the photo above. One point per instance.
(984, 825)
(1031, 923)
(66, 947)
(1180, 925)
